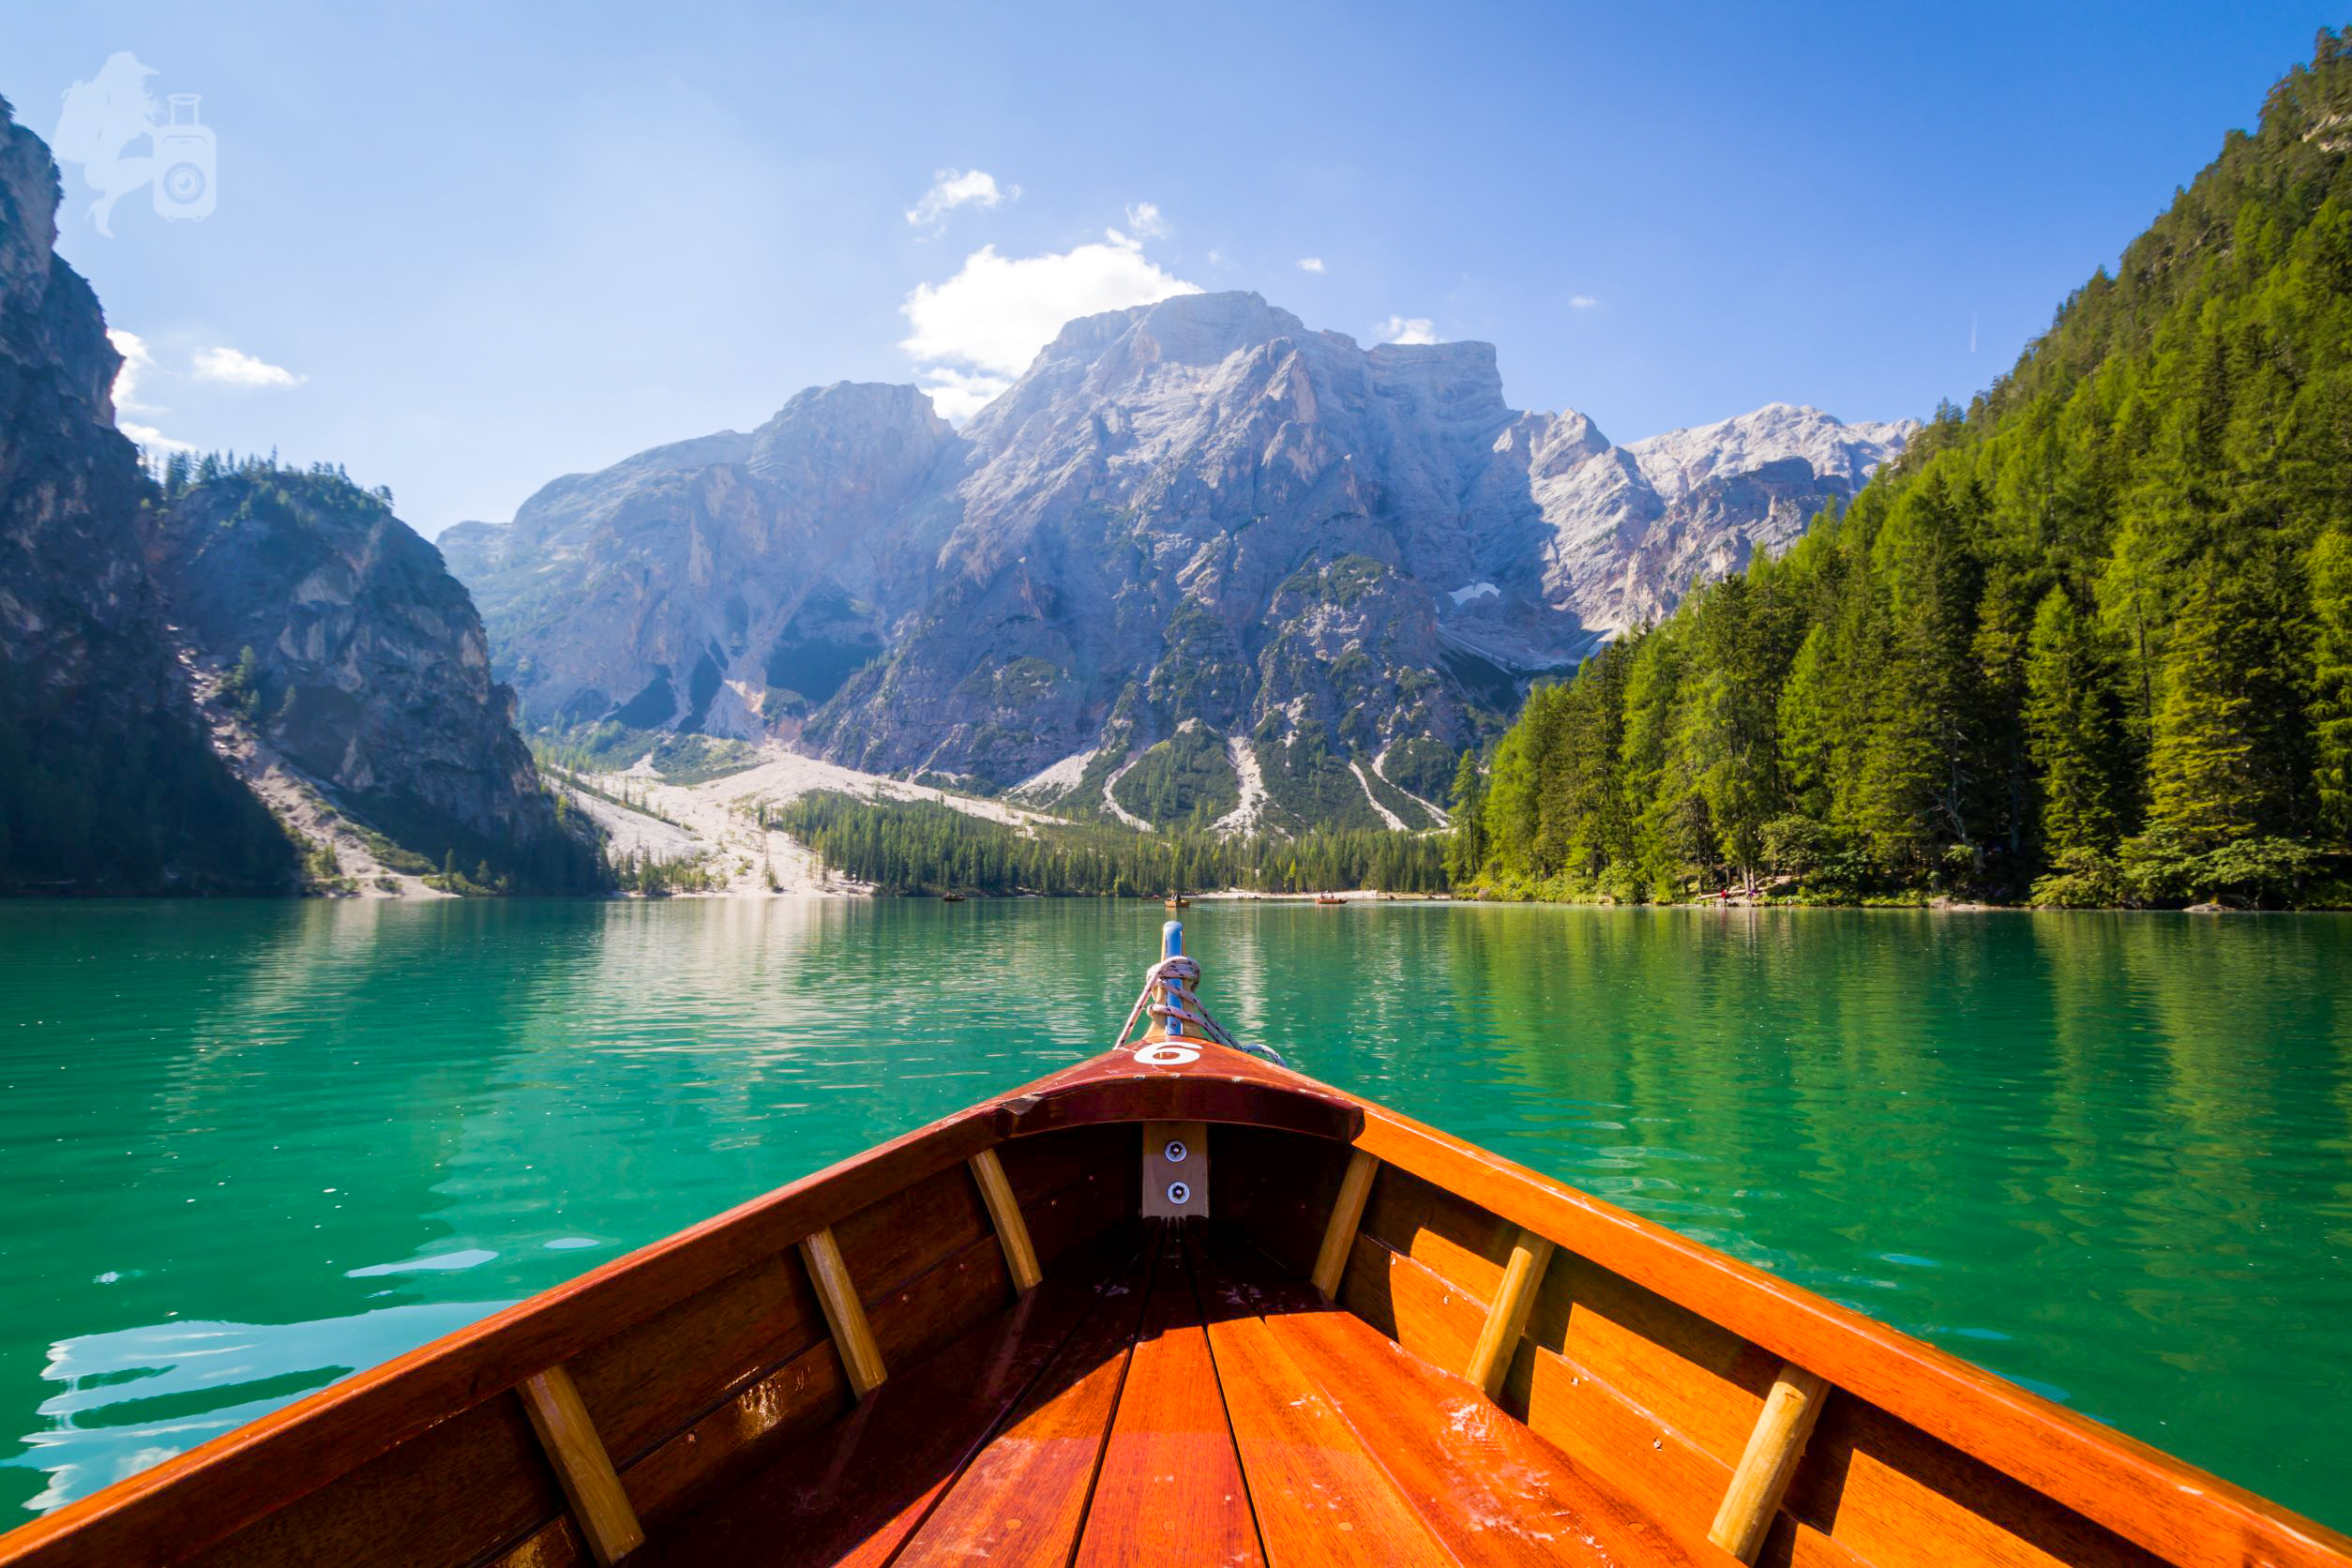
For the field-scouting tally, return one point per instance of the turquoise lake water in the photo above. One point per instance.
(250, 1146)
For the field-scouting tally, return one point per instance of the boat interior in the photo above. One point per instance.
(1160, 1315)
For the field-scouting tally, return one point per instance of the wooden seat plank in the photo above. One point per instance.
(855, 1490)
(1318, 1495)
(1171, 1488)
(1022, 1498)
(1489, 1490)
(599, 1505)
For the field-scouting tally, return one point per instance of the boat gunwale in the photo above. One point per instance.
(2109, 1477)
(2142, 1494)
(310, 1444)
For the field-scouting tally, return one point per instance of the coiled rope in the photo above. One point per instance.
(1168, 997)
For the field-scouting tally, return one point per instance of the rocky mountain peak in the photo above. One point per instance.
(1208, 328)
(1197, 542)
(559, 512)
(1678, 462)
(858, 421)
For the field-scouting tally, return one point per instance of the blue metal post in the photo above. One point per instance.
(1172, 945)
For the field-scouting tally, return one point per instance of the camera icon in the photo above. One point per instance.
(185, 164)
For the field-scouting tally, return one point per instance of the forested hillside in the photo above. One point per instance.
(919, 847)
(2088, 642)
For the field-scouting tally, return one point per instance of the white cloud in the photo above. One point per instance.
(1406, 329)
(1310, 263)
(152, 441)
(233, 368)
(137, 361)
(1217, 258)
(1144, 220)
(1581, 302)
(960, 394)
(959, 188)
(997, 311)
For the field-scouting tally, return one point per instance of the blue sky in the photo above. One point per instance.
(463, 248)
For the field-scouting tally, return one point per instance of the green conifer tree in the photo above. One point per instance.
(1466, 845)
(1808, 726)
(2075, 725)
(2332, 681)
(2202, 787)
(1728, 732)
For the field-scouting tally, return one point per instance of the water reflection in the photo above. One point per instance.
(2106, 1155)
(134, 1398)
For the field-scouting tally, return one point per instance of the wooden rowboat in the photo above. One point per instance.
(1175, 1305)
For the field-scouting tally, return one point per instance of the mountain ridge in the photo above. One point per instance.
(1189, 530)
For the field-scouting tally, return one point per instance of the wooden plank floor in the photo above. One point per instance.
(1178, 1401)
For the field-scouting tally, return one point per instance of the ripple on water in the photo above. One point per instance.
(440, 1263)
(134, 1398)
(2111, 1151)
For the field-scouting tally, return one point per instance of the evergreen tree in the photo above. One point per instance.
(1588, 789)
(240, 689)
(2332, 681)
(1466, 846)
(2075, 722)
(1728, 731)
(2202, 792)
(1921, 769)
(1808, 726)
(1513, 801)
(1670, 833)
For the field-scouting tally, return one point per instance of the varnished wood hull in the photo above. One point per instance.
(973, 1339)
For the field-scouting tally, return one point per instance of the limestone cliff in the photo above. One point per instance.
(106, 782)
(369, 671)
(120, 599)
